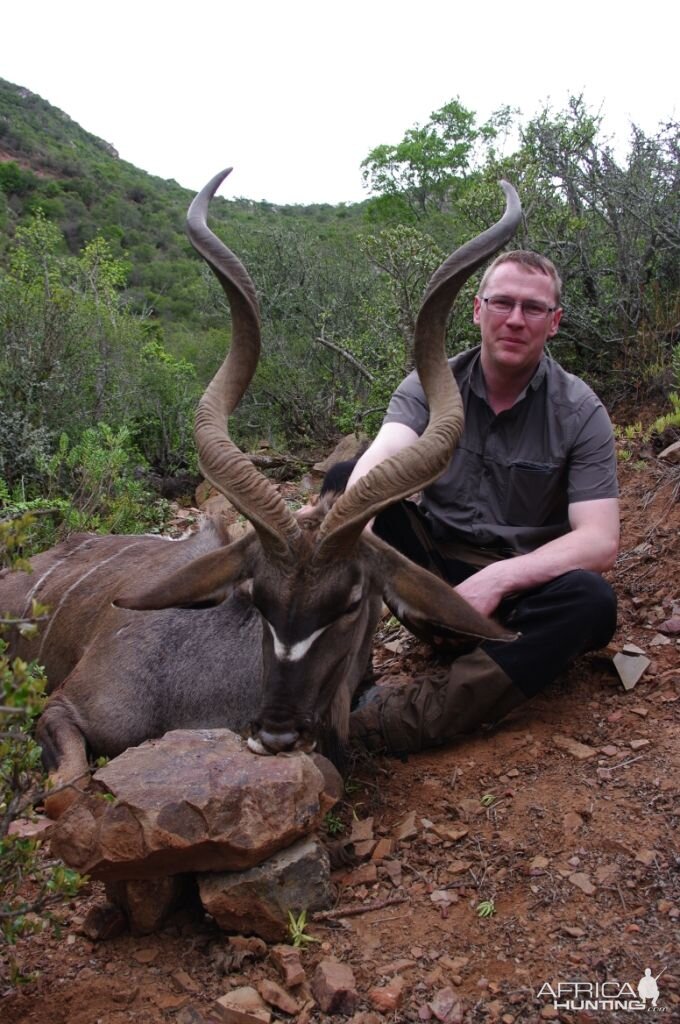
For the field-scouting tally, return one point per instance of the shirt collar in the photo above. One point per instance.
(478, 385)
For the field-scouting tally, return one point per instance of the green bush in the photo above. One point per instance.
(30, 883)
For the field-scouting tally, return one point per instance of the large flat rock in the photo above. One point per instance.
(193, 800)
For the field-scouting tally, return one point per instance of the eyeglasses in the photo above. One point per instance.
(502, 305)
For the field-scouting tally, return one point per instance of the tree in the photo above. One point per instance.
(424, 171)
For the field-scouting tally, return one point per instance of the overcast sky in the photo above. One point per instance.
(294, 94)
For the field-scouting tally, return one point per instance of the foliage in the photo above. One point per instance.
(297, 929)
(107, 315)
(29, 883)
(424, 171)
(162, 421)
(486, 908)
(87, 485)
(333, 824)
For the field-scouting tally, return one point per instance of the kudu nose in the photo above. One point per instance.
(278, 741)
(272, 737)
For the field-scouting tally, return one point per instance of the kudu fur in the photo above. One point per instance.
(272, 632)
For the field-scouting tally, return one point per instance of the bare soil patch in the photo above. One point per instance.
(577, 856)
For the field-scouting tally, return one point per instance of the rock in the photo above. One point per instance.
(333, 783)
(452, 833)
(582, 881)
(147, 902)
(393, 869)
(334, 987)
(104, 922)
(362, 830)
(447, 1006)
(387, 998)
(287, 961)
(572, 822)
(365, 874)
(242, 1006)
(257, 901)
(277, 997)
(671, 627)
(458, 867)
(243, 948)
(630, 667)
(170, 1003)
(349, 447)
(235, 810)
(671, 453)
(147, 955)
(183, 982)
(29, 827)
(189, 1015)
(573, 747)
(382, 849)
(407, 828)
(638, 744)
(364, 849)
(647, 857)
(607, 873)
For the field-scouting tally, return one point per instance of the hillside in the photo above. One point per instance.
(49, 162)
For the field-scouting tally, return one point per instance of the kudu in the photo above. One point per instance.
(273, 631)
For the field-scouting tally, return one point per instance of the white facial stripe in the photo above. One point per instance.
(356, 594)
(293, 652)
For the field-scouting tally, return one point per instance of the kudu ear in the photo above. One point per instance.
(427, 605)
(207, 580)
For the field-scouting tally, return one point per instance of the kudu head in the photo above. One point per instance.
(317, 580)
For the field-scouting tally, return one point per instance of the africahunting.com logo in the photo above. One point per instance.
(606, 995)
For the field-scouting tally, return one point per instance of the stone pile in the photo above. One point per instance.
(198, 808)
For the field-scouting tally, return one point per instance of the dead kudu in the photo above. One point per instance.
(270, 633)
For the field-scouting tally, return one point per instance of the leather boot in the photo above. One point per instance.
(437, 708)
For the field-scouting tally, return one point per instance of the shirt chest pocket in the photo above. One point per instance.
(533, 494)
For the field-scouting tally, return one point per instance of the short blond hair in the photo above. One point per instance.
(530, 261)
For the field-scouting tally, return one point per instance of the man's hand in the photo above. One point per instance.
(485, 590)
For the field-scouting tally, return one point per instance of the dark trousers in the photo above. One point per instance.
(557, 621)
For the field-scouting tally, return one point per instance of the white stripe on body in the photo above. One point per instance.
(48, 572)
(55, 613)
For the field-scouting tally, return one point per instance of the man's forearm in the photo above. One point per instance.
(592, 544)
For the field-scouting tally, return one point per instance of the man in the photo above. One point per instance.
(522, 523)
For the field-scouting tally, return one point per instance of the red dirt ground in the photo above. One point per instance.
(580, 857)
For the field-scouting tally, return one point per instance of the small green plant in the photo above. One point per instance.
(672, 418)
(297, 929)
(333, 824)
(487, 908)
(487, 800)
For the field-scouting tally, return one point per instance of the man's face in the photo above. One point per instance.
(512, 343)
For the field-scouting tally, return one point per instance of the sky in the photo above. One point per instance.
(295, 94)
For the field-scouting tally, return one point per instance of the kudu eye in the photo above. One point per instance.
(354, 600)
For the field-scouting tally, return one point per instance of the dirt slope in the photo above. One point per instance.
(578, 856)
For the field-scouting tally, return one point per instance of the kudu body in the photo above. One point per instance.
(273, 631)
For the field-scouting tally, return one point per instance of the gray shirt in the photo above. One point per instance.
(513, 475)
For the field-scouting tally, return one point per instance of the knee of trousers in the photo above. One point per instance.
(594, 602)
